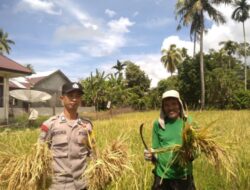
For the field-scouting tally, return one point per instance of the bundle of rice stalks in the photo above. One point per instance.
(30, 171)
(108, 166)
(198, 141)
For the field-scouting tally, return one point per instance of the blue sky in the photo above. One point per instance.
(79, 36)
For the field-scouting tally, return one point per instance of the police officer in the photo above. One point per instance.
(68, 138)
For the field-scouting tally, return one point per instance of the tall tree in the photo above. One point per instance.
(171, 58)
(119, 67)
(116, 90)
(241, 14)
(5, 42)
(241, 49)
(95, 88)
(137, 83)
(230, 47)
(135, 77)
(187, 9)
(30, 67)
(193, 20)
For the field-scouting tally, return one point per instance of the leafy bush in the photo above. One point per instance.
(241, 99)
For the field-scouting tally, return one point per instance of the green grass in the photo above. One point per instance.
(232, 128)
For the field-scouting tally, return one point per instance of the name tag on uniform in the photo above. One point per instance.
(58, 133)
(83, 133)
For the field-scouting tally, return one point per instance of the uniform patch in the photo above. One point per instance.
(43, 135)
(44, 128)
(58, 133)
(83, 133)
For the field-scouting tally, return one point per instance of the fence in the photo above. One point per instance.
(46, 111)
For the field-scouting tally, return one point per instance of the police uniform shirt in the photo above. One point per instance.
(69, 145)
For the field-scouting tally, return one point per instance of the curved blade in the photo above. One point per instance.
(144, 143)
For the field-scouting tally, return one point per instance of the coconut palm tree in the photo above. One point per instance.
(241, 14)
(171, 58)
(190, 10)
(5, 42)
(195, 23)
(241, 49)
(230, 47)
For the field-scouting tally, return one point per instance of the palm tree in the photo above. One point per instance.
(241, 14)
(230, 48)
(171, 58)
(181, 9)
(119, 67)
(241, 49)
(184, 53)
(191, 10)
(30, 67)
(5, 42)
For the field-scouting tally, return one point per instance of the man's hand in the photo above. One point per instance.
(148, 155)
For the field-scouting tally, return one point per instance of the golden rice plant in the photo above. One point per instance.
(197, 141)
(30, 171)
(108, 166)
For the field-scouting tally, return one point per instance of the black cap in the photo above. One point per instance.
(72, 86)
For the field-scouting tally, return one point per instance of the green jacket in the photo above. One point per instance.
(170, 136)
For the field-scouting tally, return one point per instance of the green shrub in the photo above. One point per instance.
(241, 99)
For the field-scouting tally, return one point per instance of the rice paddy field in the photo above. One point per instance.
(231, 128)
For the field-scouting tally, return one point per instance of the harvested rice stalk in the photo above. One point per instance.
(31, 171)
(197, 141)
(108, 165)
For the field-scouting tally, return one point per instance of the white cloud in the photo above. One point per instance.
(70, 63)
(121, 25)
(97, 40)
(74, 12)
(111, 41)
(135, 13)
(38, 5)
(158, 22)
(215, 34)
(179, 43)
(74, 33)
(151, 65)
(83, 18)
(107, 45)
(52, 62)
(231, 30)
(110, 13)
(97, 43)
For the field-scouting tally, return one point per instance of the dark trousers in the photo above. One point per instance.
(174, 184)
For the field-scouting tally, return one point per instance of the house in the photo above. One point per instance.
(8, 69)
(50, 82)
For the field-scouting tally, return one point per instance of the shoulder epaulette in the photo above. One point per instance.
(86, 120)
(54, 117)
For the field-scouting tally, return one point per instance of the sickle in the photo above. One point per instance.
(145, 145)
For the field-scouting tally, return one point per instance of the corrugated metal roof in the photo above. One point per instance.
(29, 81)
(24, 82)
(16, 84)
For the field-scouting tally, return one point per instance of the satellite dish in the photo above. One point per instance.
(30, 95)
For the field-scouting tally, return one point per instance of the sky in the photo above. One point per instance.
(80, 36)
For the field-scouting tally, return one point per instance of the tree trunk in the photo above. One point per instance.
(245, 56)
(202, 64)
(194, 43)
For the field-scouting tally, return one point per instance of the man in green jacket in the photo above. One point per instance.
(167, 132)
